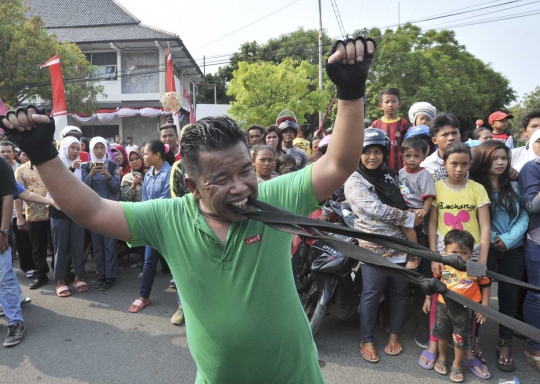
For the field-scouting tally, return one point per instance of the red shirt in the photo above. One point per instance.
(500, 136)
(395, 130)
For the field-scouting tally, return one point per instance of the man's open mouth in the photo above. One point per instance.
(241, 204)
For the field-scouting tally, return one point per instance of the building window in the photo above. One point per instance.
(105, 63)
(140, 72)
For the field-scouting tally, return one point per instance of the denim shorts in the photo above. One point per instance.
(454, 321)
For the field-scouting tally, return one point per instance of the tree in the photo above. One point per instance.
(528, 103)
(432, 66)
(261, 90)
(205, 94)
(24, 44)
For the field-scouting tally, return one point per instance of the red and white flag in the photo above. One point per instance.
(191, 111)
(171, 86)
(59, 97)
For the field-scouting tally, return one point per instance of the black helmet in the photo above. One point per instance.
(287, 124)
(375, 136)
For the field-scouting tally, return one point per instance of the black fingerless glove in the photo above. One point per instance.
(431, 286)
(350, 79)
(37, 143)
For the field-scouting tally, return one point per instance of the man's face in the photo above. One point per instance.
(532, 127)
(389, 105)
(226, 177)
(446, 136)
(254, 136)
(130, 141)
(288, 135)
(168, 136)
(117, 139)
(7, 153)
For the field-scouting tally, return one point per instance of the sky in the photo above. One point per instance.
(507, 45)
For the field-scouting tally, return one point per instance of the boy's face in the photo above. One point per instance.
(533, 125)
(423, 120)
(446, 136)
(500, 125)
(462, 251)
(412, 158)
(389, 105)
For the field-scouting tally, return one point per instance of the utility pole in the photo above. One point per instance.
(320, 58)
(399, 14)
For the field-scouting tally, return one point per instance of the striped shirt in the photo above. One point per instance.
(395, 130)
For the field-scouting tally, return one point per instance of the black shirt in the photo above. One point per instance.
(7, 181)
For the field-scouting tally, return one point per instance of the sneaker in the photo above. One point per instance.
(178, 317)
(421, 337)
(108, 284)
(99, 282)
(30, 274)
(172, 284)
(2, 311)
(15, 335)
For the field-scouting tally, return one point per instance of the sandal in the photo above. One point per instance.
(532, 360)
(412, 262)
(80, 286)
(456, 371)
(63, 291)
(507, 364)
(441, 363)
(393, 346)
(138, 305)
(430, 357)
(479, 355)
(472, 363)
(373, 358)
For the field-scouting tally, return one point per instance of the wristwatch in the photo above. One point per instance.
(5, 232)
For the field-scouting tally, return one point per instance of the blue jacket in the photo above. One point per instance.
(529, 183)
(518, 225)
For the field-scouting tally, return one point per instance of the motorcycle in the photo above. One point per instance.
(327, 281)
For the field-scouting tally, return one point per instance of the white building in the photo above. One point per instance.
(133, 54)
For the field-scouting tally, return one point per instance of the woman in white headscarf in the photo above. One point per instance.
(101, 174)
(68, 236)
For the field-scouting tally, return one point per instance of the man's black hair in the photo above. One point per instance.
(416, 143)
(305, 129)
(115, 136)
(457, 148)
(167, 126)
(208, 135)
(441, 120)
(8, 144)
(528, 117)
(461, 238)
(169, 120)
(255, 126)
(389, 91)
(129, 137)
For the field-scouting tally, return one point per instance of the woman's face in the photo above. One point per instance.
(499, 163)
(118, 157)
(485, 135)
(83, 146)
(73, 151)
(99, 150)
(272, 140)
(457, 165)
(23, 158)
(135, 161)
(315, 147)
(372, 157)
(264, 163)
(149, 157)
(536, 147)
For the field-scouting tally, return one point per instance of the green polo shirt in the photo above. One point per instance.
(244, 320)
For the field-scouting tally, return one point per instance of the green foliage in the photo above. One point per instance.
(24, 44)
(205, 94)
(261, 90)
(432, 66)
(528, 103)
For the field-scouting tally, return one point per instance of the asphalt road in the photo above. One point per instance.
(92, 338)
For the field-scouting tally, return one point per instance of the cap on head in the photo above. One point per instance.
(287, 124)
(421, 108)
(499, 115)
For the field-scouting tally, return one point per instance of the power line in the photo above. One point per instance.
(245, 26)
(338, 17)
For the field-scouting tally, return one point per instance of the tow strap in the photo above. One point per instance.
(284, 221)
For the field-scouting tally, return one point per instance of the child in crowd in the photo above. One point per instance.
(422, 113)
(453, 319)
(444, 132)
(395, 127)
(499, 122)
(418, 190)
(284, 161)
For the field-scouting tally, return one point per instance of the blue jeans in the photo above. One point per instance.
(9, 289)
(374, 283)
(531, 307)
(151, 258)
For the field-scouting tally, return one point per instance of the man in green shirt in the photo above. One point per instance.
(244, 320)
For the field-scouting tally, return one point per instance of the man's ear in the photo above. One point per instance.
(380, 106)
(434, 140)
(192, 186)
(399, 104)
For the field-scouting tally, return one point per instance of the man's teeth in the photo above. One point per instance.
(240, 203)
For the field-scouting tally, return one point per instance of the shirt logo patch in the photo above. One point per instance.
(253, 239)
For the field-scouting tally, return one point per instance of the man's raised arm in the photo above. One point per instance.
(34, 133)
(348, 68)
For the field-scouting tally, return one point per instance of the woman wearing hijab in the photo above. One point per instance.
(68, 236)
(101, 174)
(374, 194)
(131, 187)
(121, 158)
(529, 184)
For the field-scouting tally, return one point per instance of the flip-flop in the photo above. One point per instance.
(440, 371)
(80, 286)
(63, 289)
(503, 366)
(397, 345)
(471, 363)
(429, 357)
(454, 371)
(532, 360)
(138, 305)
(370, 353)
